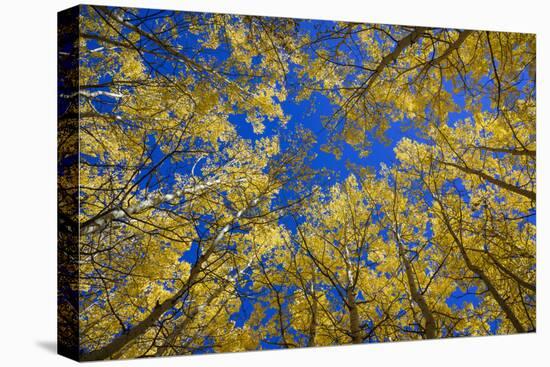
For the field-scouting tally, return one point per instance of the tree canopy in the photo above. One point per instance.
(247, 183)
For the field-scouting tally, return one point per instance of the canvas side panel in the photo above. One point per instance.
(67, 183)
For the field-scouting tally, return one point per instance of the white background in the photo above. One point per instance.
(28, 181)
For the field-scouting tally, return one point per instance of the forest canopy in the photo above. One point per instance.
(250, 183)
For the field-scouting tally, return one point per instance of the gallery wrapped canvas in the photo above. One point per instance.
(233, 183)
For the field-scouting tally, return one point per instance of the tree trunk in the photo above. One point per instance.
(481, 274)
(313, 322)
(178, 329)
(355, 329)
(429, 320)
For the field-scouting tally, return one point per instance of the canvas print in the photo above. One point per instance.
(234, 183)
